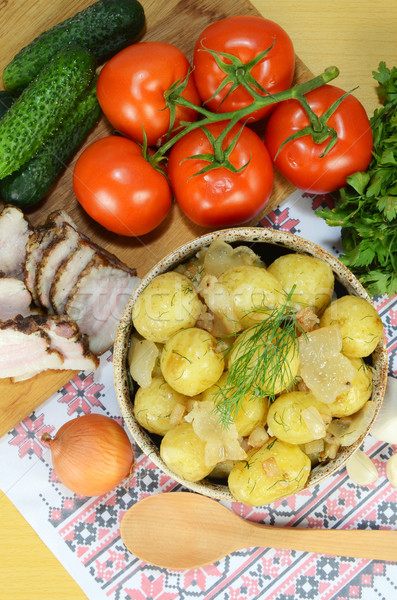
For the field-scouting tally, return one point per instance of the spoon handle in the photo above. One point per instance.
(379, 544)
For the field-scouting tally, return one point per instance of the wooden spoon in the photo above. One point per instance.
(183, 530)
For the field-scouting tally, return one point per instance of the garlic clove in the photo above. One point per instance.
(391, 470)
(384, 428)
(361, 469)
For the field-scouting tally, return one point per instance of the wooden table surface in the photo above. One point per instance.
(352, 34)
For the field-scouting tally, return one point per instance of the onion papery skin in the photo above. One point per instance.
(91, 454)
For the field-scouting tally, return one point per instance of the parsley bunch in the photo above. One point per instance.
(366, 209)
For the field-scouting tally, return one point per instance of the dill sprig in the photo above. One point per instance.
(260, 360)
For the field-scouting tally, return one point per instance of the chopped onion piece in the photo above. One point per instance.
(221, 256)
(270, 467)
(347, 430)
(314, 447)
(323, 368)
(222, 443)
(314, 422)
(361, 469)
(177, 414)
(307, 319)
(220, 302)
(142, 357)
(331, 450)
(257, 437)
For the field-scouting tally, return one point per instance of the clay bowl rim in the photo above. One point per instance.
(247, 235)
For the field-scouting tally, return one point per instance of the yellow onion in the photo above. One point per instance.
(91, 454)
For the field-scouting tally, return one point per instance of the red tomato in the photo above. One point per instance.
(299, 160)
(118, 187)
(131, 88)
(219, 197)
(245, 37)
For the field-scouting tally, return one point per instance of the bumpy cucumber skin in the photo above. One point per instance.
(104, 28)
(31, 182)
(43, 105)
(6, 101)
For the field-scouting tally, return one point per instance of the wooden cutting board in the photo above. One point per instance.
(176, 22)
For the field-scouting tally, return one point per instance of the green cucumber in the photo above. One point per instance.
(33, 180)
(6, 101)
(104, 28)
(43, 105)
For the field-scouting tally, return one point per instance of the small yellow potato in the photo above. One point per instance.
(276, 470)
(252, 411)
(169, 303)
(360, 324)
(312, 277)
(253, 289)
(272, 371)
(155, 405)
(190, 362)
(184, 453)
(358, 393)
(298, 417)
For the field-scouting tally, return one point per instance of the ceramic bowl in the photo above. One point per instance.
(269, 244)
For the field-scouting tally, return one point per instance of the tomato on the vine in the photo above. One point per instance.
(119, 188)
(244, 37)
(300, 160)
(131, 88)
(220, 196)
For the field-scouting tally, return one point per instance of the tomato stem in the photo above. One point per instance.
(296, 92)
(318, 128)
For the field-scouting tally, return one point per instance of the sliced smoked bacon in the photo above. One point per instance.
(67, 275)
(32, 344)
(98, 298)
(72, 275)
(37, 245)
(64, 242)
(15, 298)
(15, 232)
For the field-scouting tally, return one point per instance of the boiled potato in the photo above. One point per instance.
(271, 371)
(312, 277)
(154, 405)
(272, 472)
(252, 411)
(360, 324)
(359, 392)
(291, 417)
(189, 361)
(169, 303)
(184, 453)
(253, 289)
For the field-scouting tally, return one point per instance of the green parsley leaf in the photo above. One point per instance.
(366, 208)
